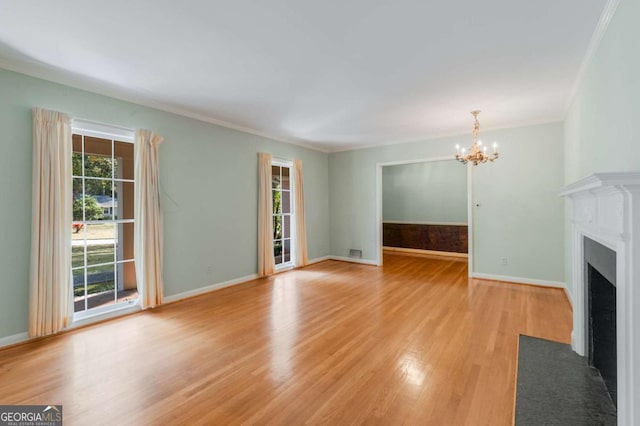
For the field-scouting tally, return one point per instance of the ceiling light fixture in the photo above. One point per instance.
(478, 152)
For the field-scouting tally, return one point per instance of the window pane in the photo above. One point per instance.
(100, 253)
(287, 250)
(276, 200)
(98, 201)
(77, 254)
(77, 163)
(97, 160)
(78, 290)
(76, 143)
(123, 201)
(286, 201)
(100, 279)
(77, 234)
(97, 166)
(275, 177)
(124, 243)
(277, 227)
(127, 285)
(99, 244)
(286, 226)
(277, 251)
(123, 153)
(78, 205)
(285, 178)
(100, 286)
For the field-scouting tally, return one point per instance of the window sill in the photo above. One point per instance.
(87, 317)
(284, 268)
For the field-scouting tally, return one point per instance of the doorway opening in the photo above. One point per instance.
(425, 206)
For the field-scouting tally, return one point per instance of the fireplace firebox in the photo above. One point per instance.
(602, 328)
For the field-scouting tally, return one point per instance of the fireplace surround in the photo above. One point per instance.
(605, 208)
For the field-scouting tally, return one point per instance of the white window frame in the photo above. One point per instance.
(86, 128)
(292, 236)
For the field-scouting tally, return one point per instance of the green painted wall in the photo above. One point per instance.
(520, 214)
(601, 124)
(435, 191)
(209, 183)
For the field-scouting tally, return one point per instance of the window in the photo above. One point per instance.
(103, 265)
(283, 219)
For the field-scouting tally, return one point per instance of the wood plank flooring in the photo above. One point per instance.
(413, 342)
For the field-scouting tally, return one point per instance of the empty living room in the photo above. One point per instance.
(275, 212)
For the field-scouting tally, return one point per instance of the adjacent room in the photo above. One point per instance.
(243, 212)
(424, 208)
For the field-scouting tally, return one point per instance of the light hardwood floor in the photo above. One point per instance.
(413, 342)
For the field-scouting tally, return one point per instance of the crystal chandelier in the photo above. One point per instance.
(478, 152)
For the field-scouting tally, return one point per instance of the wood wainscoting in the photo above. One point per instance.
(451, 238)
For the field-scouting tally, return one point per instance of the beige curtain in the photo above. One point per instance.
(266, 262)
(147, 243)
(302, 258)
(50, 286)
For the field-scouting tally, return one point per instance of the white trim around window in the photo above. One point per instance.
(279, 162)
(102, 130)
(85, 128)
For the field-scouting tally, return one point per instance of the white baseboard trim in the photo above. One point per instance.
(519, 280)
(354, 260)
(420, 251)
(318, 260)
(12, 340)
(224, 284)
(209, 288)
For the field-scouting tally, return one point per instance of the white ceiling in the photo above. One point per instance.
(331, 74)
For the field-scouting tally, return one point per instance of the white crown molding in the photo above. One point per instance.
(435, 136)
(598, 34)
(65, 78)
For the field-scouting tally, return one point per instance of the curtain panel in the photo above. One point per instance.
(147, 244)
(302, 258)
(50, 288)
(266, 261)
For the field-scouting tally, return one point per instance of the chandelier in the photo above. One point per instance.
(478, 152)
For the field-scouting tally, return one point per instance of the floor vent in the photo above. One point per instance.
(355, 253)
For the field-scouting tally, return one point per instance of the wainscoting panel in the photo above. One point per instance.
(451, 238)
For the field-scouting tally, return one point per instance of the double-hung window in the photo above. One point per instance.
(283, 217)
(103, 264)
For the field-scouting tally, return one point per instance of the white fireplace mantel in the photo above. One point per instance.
(605, 207)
